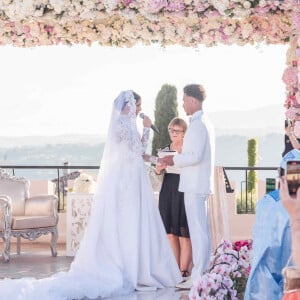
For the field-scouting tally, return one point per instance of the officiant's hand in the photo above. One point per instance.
(160, 166)
(168, 160)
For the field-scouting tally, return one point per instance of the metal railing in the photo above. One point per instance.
(243, 183)
(246, 185)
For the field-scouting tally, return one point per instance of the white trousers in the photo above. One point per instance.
(196, 206)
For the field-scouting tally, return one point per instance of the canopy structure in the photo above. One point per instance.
(29, 23)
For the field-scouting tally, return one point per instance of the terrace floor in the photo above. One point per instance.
(36, 261)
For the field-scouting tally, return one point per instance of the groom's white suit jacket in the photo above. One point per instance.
(197, 157)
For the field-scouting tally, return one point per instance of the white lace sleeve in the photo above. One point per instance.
(145, 138)
(129, 138)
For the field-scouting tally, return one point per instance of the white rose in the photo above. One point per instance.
(247, 4)
(262, 3)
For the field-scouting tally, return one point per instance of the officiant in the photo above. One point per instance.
(171, 201)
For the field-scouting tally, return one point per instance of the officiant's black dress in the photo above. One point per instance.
(171, 204)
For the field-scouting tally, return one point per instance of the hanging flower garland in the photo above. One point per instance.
(291, 76)
(120, 31)
(31, 23)
(90, 9)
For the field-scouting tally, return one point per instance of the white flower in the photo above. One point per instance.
(58, 5)
(220, 5)
(262, 3)
(84, 184)
(247, 4)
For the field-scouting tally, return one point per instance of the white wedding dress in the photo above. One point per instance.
(125, 247)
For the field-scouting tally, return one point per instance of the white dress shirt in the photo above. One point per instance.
(196, 160)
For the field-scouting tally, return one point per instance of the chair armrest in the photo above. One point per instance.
(5, 213)
(42, 205)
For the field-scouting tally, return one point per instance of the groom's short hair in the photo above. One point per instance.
(196, 91)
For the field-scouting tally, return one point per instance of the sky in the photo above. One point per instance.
(58, 90)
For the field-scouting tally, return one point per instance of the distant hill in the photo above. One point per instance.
(233, 128)
(231, 150)
(20, 141)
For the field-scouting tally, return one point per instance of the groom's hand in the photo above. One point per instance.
(168, 160)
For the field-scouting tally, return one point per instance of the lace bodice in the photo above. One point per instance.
(128, 136)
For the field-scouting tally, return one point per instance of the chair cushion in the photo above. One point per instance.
(42, 205)
(28, 222)
(18, 191)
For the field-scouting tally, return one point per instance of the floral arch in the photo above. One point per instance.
(29, 23)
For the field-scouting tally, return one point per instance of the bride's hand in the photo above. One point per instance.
(147, 121)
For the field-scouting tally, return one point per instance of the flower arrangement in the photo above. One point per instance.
(28, 23)
(227, 275)
(84, 184)
(291, 80)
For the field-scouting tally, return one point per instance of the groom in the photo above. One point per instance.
(196, 174)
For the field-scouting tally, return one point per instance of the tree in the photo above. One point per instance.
(165, 110)
(252, 160)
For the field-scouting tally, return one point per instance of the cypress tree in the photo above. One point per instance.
(252, 160)
(165, 110)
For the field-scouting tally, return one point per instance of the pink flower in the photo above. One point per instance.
(297, 129)
(229, 265)
(290, 76)
(290, 113)
(127, 2)
(296, 21)
(26, 29)
(154, 6)
(290, 101)
(48, 28)
(239, 244)
(176, 5)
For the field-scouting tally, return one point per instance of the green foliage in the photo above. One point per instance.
(165, 110)
(242, 207)
(252, 160)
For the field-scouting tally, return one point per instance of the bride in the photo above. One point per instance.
(124, 247)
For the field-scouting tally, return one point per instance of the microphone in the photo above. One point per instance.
(153, 127)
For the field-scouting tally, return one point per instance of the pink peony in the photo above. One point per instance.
(290, 76)
(290, 113)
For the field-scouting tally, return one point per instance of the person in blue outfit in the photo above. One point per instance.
(271, 244)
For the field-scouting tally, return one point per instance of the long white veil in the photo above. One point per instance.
(122, 147)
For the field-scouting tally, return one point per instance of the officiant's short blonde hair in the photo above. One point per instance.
(178, 122)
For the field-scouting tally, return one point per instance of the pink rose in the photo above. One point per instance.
(290, 76)
(290, 113)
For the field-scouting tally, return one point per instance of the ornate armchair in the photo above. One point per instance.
(24, 216)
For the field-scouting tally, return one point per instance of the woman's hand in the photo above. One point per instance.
(290, 203)
(147, 121)
(159, 167)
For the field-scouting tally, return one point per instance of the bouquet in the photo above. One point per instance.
(227, 275)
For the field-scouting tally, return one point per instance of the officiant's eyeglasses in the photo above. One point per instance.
(171, 130)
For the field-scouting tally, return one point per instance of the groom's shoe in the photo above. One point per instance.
(185, 285)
